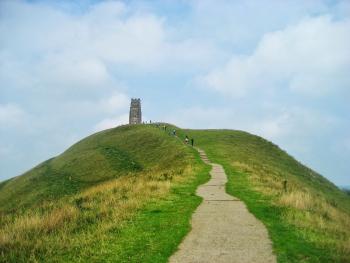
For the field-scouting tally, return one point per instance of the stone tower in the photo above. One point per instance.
(135, 116)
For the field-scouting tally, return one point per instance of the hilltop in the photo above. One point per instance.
(127, 194)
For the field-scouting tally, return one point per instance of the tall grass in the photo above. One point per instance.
(73, 224)
(40, 232)
(307, 209)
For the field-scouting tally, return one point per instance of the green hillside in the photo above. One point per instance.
(98, 158)
(121, 195)
(309, 221)
(127, 195)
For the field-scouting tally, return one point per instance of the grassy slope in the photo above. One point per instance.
(126, 195)
(307, 223)
(121, 195)
(100, 157)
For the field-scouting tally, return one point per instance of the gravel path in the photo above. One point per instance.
(223, 230)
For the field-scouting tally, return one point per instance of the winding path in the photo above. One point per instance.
(223, 230)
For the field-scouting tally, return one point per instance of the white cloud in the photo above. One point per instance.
(114, 103)
(202, 117)
(311, 58)
(273, 122)
(80, 73)
(11, 115)
(112, 122)
(294, 122)
(114, 109)
(107, 33)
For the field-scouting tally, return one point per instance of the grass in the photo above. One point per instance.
(103, 156)
(127, 195)
(308, 221)
(122, 195)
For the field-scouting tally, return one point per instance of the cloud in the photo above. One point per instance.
(295, 122)
(310, 58)
(82, 73)
(11, 115)
(274, 122)
(112, 122)
(115, 107)
(114, 103)
(106, 33)
(202, 117)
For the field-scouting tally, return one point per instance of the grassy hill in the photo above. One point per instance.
(121, 195)
(308, 220)
(127, 195)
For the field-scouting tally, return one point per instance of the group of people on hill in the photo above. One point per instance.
(163, 127)
(173, 132)
(187, 140)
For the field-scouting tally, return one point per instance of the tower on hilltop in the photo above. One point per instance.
(135, 116)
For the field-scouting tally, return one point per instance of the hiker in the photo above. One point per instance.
(192, 141)
(186, 139)
(174, 132)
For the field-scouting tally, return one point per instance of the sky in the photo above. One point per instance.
(277, 69)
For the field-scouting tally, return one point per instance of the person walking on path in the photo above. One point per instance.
(192, 142)
(174, 132)
(186, 139)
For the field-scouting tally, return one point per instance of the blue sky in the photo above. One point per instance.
(279, 69)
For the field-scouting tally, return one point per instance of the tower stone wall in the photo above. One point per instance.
(135, 116)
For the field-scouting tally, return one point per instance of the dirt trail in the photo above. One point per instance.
(223, 230)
